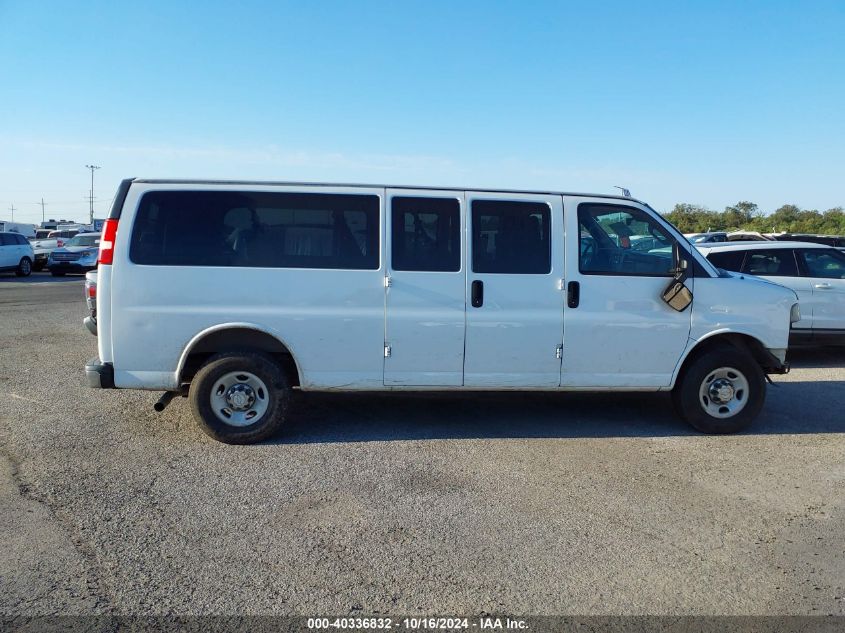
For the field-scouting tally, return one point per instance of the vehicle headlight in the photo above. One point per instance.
(795, 313)
(86, 254)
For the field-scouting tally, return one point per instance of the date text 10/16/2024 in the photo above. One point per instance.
(416, 623)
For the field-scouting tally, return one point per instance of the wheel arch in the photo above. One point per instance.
(738, 340)
(231, 337)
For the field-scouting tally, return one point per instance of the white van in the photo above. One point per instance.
(235, 293)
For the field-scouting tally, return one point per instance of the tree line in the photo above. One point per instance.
(746, 216)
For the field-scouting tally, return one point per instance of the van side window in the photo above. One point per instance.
(778, 263)
(622, 240)
(511, 237)
(728, 260)
(256, 229)
(426, 234)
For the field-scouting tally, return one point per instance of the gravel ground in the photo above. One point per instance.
(439, 504)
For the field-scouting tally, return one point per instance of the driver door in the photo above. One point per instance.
(618, 332)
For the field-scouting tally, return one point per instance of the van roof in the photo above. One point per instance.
(166, 181)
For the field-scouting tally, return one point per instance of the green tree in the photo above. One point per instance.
(744, 215)
(833, 221)
(784, 217)
(690, 218)
(739, 215)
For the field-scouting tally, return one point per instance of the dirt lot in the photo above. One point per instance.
(523, 504)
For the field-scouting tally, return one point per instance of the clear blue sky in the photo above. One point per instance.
(709, 102)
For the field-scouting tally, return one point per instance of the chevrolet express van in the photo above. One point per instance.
(235, 293)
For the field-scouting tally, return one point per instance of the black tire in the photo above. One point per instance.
(691, 407)
(261, 366)
(56, 273)
(24, 268)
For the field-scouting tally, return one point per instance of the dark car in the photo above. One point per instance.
(79, 255)
(828, 240)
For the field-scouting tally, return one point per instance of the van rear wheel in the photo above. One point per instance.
(721, 391)
(240, 397)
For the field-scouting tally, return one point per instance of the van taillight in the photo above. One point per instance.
(107, 242)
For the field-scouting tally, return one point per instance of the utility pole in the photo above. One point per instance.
(92, 168)
(43, 204)
(12, 209)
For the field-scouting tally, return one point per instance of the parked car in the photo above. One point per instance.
(647, 243)
(78, 256)
(814, 271)
(15, 254)
(706, 238)
(91, 301)
(828, 240)
(43, 247)
(236, 293)
(62, 236)
(747, 236)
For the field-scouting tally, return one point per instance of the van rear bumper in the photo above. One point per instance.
(99, 375)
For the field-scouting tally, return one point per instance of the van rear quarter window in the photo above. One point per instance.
(256, 229)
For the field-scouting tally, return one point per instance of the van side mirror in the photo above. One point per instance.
(676, 295)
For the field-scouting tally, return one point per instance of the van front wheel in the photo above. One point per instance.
(240, 398)
(721, 391)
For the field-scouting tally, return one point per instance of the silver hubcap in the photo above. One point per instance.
(723, 392)
(25, 266)
(239, 398)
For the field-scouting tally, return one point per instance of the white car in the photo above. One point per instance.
(235, 293)
(16, 254)
(710, 237)
(814, 271)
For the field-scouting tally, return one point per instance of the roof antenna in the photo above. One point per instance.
(625, 192)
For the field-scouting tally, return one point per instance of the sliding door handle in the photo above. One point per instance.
(573, 294)
(477, 293)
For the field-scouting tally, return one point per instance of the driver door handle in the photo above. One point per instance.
(823, 286)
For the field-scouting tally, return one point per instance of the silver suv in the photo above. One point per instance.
(15, 254)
